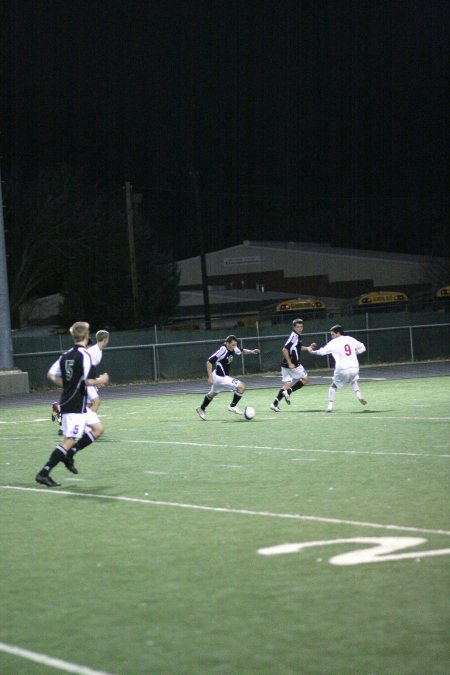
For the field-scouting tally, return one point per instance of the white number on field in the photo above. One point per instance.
(381, 549)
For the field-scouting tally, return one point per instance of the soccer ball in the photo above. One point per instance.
(249, 412)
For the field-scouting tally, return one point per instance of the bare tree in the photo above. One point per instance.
(47, 224)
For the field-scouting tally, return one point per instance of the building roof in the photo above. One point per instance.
(327, 249)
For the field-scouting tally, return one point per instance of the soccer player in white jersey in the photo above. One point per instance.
(95, 351)
(344, 349)
(218, 368)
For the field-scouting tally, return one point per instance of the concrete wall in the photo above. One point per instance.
(13, 382)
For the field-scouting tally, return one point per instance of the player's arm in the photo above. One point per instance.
(287, 356)
(312, 349)
(251, 351)
(54, 374)
(209, 369)
(55, 379)
(99, 381)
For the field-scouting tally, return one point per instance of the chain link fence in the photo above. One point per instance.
(151, 361)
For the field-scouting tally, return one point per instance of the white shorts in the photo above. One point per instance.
(91, 418)
(347, 376)
(226, 383)
(293, 374)
(73, 424)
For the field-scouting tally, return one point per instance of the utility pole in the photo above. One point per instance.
(132, 253)
(6, 360)
(201, 243)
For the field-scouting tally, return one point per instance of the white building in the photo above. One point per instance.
(310, 269)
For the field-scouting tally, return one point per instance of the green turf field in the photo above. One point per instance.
(164, 555)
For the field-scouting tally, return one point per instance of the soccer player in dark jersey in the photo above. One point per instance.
(72, 371)
(218, 367)
(293, 374)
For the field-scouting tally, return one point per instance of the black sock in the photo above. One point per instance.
(298, 385)
(86, 439)
(279, 397)
(236, 398)
(206, 402)
(58, 455)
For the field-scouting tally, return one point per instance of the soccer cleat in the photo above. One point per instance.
(46, 480)
(56, 412)
(234, 409)
(70, 466)
(60, 432)
(330, 407)
(363, 401)
(287, 396)
(201, 413)
(274, 407)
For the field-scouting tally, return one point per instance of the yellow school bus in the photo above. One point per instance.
(442, 299)
(383, 301)
(443, 292)
(311, 307)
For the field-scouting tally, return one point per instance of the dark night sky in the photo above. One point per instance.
(307, 120)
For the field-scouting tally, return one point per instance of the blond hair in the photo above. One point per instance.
(79, 331)
(101, 335)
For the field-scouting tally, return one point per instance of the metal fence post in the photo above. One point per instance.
(155, 361)
(242, 356)
(411, 343)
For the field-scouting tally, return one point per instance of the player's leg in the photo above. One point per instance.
(357, 390)
(284, 392)
(238, 388)
(340, 378)
(331, 397)
(206, 401)
(300, 379)
(92, 431)
(73, 426)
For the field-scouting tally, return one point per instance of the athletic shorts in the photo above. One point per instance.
(73, 424)
(226, 383)
(293, 374)
(91, 418)
(345, 376)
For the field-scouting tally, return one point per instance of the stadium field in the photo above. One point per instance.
(295, 543)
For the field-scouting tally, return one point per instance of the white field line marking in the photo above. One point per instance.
(407, 419)
(269, 447)
(157, 473)
(303, 459)
(49, 661)
(230, 466)
(341, 413)
(222, 509)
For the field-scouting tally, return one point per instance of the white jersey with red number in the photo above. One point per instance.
(345, 350)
